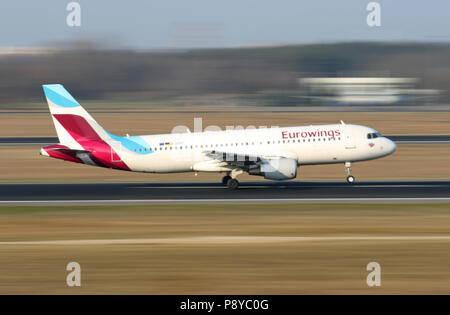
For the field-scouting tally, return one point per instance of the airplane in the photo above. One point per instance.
(273, 153)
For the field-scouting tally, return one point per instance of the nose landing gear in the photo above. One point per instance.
(350, 178)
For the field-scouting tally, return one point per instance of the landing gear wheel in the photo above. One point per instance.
(350, 179)
(225, 179)
(233, 183)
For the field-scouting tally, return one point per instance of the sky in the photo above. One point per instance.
(161, 24)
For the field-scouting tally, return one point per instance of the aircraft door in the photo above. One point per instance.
(349, 138)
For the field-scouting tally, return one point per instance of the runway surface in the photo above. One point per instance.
(211, 193)
(403, 139)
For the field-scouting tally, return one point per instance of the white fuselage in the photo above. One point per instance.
(320, 144)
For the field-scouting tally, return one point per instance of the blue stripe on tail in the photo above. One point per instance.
(58, 95)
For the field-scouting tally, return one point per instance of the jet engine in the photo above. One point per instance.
(276, 169)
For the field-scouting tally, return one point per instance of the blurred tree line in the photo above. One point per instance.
(127, 75)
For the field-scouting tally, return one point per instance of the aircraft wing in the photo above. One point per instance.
(270, 166)
(243, 161)
(233, 159)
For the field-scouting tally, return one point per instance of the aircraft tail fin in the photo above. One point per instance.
(72, 122)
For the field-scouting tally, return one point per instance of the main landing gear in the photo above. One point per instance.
(350, 178)
(233, 183)
(230, 179)
(225, 179)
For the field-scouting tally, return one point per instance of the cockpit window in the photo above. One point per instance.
(373, 135)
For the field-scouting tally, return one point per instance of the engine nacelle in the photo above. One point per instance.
(277, 169)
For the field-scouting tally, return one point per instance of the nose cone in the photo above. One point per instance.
(390, 146)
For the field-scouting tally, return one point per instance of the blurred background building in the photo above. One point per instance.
(289, 75)
(365, 90)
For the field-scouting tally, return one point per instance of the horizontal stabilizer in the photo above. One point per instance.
(63, 152)
(69, 151)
